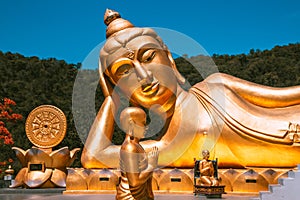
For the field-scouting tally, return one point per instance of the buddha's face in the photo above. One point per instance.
(143, 72)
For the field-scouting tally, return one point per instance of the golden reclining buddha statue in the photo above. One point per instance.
(243, 124)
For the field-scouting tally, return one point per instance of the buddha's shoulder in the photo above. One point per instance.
(215, 79)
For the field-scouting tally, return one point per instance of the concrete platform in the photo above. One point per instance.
(57, 194)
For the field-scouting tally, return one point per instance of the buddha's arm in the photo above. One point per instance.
(260, 95)
(98, 150)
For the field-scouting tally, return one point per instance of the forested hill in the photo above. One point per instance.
(31, 82)
(279, 67)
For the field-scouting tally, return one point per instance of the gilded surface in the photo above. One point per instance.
(46, 126)
(136, 166)
(207, 171)
(243, 124)
(40, 169)
(80, 180)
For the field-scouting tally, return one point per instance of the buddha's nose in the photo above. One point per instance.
(145, 77)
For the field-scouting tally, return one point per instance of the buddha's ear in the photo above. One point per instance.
(179, 77)
(105, 84)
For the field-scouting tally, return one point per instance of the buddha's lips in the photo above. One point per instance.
(153, 87)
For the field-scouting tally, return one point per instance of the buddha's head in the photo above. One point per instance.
(137, 62)
(133, 121)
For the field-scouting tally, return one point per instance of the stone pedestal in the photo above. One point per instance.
(210, 191)
(166, 180)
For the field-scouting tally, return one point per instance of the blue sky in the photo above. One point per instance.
(70, 29)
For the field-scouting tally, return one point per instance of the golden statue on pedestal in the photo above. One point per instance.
(45, 127)
(246, 124)
(136, 166)
(206, 181)
(207, 171)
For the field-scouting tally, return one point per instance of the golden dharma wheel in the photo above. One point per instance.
(46, 126)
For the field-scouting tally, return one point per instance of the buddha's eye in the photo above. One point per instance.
(148, 55)
(123, 70)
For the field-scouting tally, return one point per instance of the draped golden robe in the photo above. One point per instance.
(254, 125)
